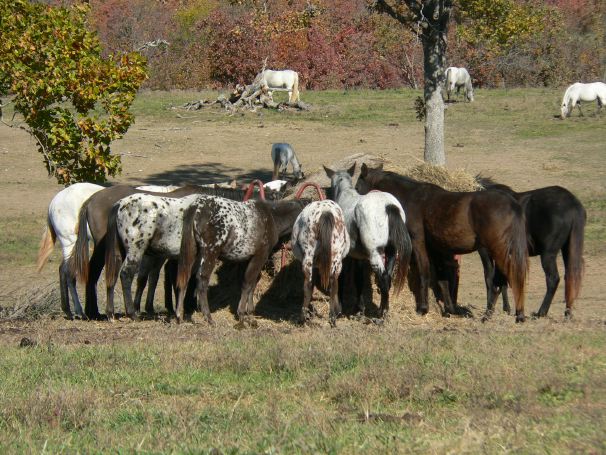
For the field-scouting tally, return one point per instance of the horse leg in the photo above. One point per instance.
(492, 291)
(359, 280)
(207, 265)
(552, 279)
(253, 269)
(142, 277)
(423, 271)
(154, 276)
(170, 273)
(63, 290)
(335, 306)
(578, 104)
(308, 289)
(70, 281)
(127, 274)
(97, 261)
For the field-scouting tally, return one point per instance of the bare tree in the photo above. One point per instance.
(429, 18)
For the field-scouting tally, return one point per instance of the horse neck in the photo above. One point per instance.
(296, 166)
(285, 213)
(346, 196)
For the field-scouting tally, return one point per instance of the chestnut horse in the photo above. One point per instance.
(444, 223)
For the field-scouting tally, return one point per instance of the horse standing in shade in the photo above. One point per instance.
(217, 228)
(458, 78)
(62, 223)
(377, 230)
(555, 221)
(320, 241)
(444, 223)
(583, 92)
(282, 154)
(285, 80)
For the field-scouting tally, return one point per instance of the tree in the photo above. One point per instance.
(430, 19)
(73, 101)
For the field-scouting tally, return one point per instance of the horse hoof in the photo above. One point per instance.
(520, 318)
(568, 315)
(239, 325)
(253, 323)
(485, 318)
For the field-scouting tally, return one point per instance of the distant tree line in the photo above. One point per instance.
(346, 43)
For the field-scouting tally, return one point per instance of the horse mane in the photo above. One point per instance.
(405, 179)
(488, 183)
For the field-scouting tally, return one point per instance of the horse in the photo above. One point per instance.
(61, 223)
(218, 228)
(282, 154)
(444, 223)
(376, 226)
(94, 215)
(555, 221)
(457, 78)
(141, 225)
(320, 241)
(284, 80)
(582, 92)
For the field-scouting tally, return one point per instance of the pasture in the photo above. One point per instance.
(417, 384)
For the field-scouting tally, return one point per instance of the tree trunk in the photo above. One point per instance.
(434, 52)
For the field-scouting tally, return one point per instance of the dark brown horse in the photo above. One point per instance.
(218, 228)
(444, 223)
(94, 215)
(555, 221)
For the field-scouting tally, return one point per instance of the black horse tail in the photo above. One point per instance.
(573, 256)
(189, 248)
(516, 258)
(324, 252)
(79, 258)
(112, 267)
(400, 241)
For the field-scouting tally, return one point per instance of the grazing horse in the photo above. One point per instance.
(377, 230)
(140, 225)
(285, 80)
(281, 155)
(555, 221)
(94, 215)
(583, 92)
(320, 241)
(62, 223)
(457, 78)
(217, 228)
(444, 223)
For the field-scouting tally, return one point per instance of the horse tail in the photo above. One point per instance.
(325, 228)
(401, 243)
(189, 248)
(573, 257)
(516, 257)
(79, 256)
(111, 246)
(295, 88)
(47, 243)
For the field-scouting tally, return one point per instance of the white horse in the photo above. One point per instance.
(583, 92)
(320, 240)
(281, 155)
(377, 231)
(285, 80)
(62, 223)
(457, 78)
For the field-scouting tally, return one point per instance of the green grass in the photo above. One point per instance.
(310, 392)
(20, 238)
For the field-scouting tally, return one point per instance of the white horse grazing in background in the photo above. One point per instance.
(285, 80)
(583, 92)
(282, 154)
(457, 78)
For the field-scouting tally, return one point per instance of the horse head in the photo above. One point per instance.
(340, 180)
(364, 183)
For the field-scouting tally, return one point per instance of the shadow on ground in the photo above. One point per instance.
(205, 173)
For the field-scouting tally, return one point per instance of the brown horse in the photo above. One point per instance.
(444, 223)
(94, 215)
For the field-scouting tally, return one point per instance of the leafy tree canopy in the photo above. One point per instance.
(74, 101)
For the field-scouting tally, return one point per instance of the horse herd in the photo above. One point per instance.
(405, 230)
(458, 78)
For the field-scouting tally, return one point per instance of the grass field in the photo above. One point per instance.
(415, 385)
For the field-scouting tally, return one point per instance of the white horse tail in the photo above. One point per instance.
(47, 243)
(295, 88)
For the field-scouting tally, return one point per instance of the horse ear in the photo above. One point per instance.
(363, 170)
(329, 172)
(351, 171)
